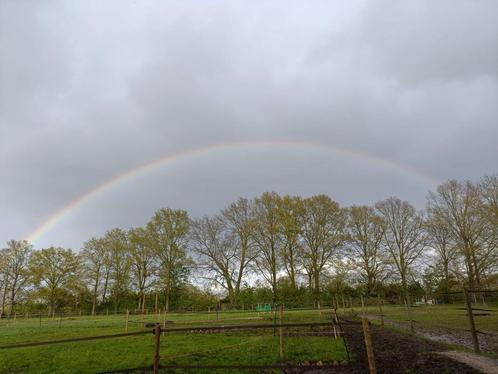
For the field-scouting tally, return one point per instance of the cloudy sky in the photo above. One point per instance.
(360, 100)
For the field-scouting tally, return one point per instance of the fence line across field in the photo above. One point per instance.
(467, 307)
(335, 324)
(150, 312)
(192, 329)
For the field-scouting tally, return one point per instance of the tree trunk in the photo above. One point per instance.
(316, 290)
(292, 274)
(166, 306)
(106, 283)
(94, 301)
(4, 297)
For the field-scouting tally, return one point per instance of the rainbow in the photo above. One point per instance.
(60, 214)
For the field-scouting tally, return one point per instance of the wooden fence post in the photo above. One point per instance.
(473, 331)
(164, 320)
(409, 312)
(334, 319)
(157, 348)
(369, 346)
(379, 302)
(281, 351)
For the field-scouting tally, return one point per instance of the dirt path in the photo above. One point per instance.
(400, 353)
(488, 340)
(485, 364)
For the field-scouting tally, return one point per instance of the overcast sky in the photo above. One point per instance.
(92, 89)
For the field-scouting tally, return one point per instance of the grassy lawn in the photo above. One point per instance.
(243, 347)
(449, 316)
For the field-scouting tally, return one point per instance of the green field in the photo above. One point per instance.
(241, 347)
(448, 316)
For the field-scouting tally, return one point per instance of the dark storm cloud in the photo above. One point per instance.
(89, 90)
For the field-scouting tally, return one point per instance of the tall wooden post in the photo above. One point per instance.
(410, 317)
(369, 346)
(281, 333)
(334, 320)
(164, 320)
(157, 348)
(473, 331)
(379, 302)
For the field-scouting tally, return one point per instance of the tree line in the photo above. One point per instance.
(274, 247)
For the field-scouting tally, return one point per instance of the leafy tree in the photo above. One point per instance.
(168, 231)
(55, 272)
(323, 235)
(95, 259)
(142, 261)
(290, 208)
(117, 245)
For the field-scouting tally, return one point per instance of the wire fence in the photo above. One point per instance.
(468, 318)
(469, 314)
(333, 328)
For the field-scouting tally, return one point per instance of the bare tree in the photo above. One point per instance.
(488, 252)
(458, 205)
(218, 252)
(488, 190)
(323, 234)
(95, 256)
(441, 240)
(266, 237)
(365, 231)
(404, 237)
(238, 217)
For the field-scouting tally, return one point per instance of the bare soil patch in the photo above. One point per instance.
(396, 352)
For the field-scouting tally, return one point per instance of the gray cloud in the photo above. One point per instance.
(90, 89)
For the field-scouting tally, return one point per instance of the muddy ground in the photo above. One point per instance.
(488, 340)
(397, 352)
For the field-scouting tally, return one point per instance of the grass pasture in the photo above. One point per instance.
(442, 316)
(251, 347)
(240, 347)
